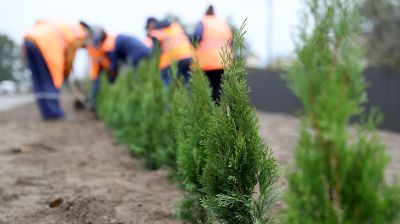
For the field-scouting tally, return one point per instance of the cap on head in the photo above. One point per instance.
(210, 10)
(98, 35)
(150, 21)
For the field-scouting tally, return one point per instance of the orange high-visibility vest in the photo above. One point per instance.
(58, 42)
(174, 43)
(216, 34)
(98, 57)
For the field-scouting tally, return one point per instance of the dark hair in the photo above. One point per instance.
(210, 10)
(84, 24)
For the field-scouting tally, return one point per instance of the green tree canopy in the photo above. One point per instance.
(382, 31)
(9, 54)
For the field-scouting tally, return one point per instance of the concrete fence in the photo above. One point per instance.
(269, 92)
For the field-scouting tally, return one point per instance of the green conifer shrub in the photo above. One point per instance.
(137, 108)
(338, 175)
(164, 132)
(240, 172)
(113, 99)
(102, 99)
(149, 120)
(120, 90)
(193, 109)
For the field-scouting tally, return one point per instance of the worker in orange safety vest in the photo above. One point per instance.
(210, 35)
(50, 47)
(174, 45)
(107, 50)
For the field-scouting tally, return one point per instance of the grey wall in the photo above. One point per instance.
(270, 93)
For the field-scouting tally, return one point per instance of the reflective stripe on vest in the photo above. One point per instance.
(174, 44)
(98, 56)
(216, 34)
(53, 38)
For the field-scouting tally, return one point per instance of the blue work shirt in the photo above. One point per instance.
(129, 50)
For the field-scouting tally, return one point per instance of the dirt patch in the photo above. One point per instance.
(280, 133)
(72, 172)
(75, 164)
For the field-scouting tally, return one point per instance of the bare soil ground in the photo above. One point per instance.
(74, 165)
(280, 133)
(71, 171)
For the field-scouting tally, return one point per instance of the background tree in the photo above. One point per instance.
(338, 175)
(382, 31)
(9, 55)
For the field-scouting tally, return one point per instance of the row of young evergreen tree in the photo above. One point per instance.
(215, 153)
(226, 172)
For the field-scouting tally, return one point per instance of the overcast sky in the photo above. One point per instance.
(124, 16)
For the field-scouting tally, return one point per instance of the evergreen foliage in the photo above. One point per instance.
(338, 175)
(237, 160)
(137, 107)
(193, 110)
(226, 171)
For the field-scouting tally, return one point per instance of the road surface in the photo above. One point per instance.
(8, 102)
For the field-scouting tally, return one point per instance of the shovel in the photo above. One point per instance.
(81, 100)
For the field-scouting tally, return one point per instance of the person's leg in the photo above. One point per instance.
(47, 95)
(215, 79)
(31, 63)
(184, 69)
(217, 85)
(166, 76)
(95, 92)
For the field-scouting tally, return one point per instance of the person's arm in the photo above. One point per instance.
(156, 37)
(156, 46)
(113, 67)
(95, 62)
(148, 42)
(197, 34)
(95, 69)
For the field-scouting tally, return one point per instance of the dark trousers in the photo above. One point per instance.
(215, 78)
(95, 92)
(183, 71)
(47, 95)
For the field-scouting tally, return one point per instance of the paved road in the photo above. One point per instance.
(8, 102)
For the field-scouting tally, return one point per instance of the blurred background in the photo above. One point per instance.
(270, 40)
(270, 22)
